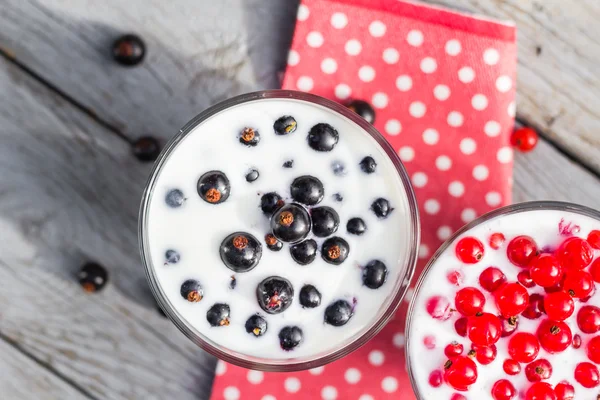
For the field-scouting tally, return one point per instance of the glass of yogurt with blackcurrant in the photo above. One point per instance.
(279, 230)
(508, 309)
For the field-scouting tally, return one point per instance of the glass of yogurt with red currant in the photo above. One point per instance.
(279, 231)
(508, 309)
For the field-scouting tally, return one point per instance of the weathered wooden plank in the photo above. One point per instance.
(22, 378)
(69, 191)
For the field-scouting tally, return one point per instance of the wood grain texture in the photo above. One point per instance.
(558, 85)
(199, 52)
(69, 192)
(22, 378)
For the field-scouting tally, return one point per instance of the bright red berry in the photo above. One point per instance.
(554, 336)
(453, 349)
(540, 391)
(439, 308)
(485, 354)
(588, 319)
(491, 278)
(587, 375)
(594, 239)
(523, 347)
(511, 367)
(484, 329)
(578, 284)
(559, 306)
(455, 278)
(576, 341)
(564, 391)
(460, 326)
(429, 342)
(512, 299)
(509, 326)
(469, 301)
(435, 378)
(460, 372)
(497, 240)
(538, 370)
(469, 250)
(521, 251)
(456, 396)
(503, 390)
(524, 278)
(595, 270)
(535, 309)
(545, 270)
(524, 139)
(575, 253)
(593, 349)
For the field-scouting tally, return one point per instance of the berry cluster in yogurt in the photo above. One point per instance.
(509, 311)
(278, 229)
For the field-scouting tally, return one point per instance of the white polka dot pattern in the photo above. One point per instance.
(376, 358)
(292, 385)
(339, 20)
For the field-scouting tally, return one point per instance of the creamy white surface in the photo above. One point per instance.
(197, 228)
(541, 225)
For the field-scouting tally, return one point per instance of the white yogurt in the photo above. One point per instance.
(197, 228)
(543, 227)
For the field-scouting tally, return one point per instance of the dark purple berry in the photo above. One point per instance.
(172, 257)
(338, 197)
(270, 202)
(363, 109)
(307, 190)
(274, 294)
(356, 226)
(338, 313)
(290, 337)
(92, 277)
(146, 148)
(335, 250)
(374, 274)
(256, 325)
(249, 137)
(192, 291)
(310, 297)
(174, 198)
(368, 165)
(218, 315)
(325, 221)
(285, 125)
(240, 251)
(291, 223)
(381, 207)
(252, 175)
(288, 164)
(232, 282)
(214, 187)
(129, 50)
(272, 242)
(304, 252)
(323, 137)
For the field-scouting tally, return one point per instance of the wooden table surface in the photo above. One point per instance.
(70, 187)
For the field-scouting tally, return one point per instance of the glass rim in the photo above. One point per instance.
(281, 365)
(502, 211)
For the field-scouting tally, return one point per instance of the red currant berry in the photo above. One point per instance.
(578, 284)
(593, 349)
(524, 278)
(509, 326)
(564, 391)
(595, 270)
(576, 341)
(484, 329)
(429, 342)
(521, 251)
(455, 278)
(469, 301)
(545, 270)
(469, 250)
(556, 288)
(588, 319)
(460, 372)
(485, 354)
(497, 240)
(460, 326)
(491, 278)
(594, 239)
(511, 367)
(453, 349)
(535, 309)
(587, 375)
(457, 396)
(503, 390)
(540, 391)
(435, 378)
(559, 306)
(523, 347)
(512, 299)
(538, 370)
(575, 253)
(524, 139)
(554, 336)
(439, 308)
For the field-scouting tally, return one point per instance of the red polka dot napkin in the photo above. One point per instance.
(442, 85)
